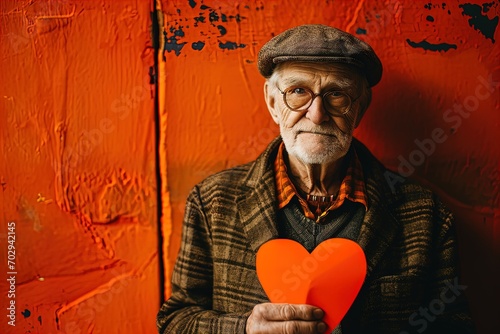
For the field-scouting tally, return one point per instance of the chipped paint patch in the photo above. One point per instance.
(479, 20)
(203, 27)
(172, 42)
(430, 46)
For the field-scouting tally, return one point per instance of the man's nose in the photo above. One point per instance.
(316, 113)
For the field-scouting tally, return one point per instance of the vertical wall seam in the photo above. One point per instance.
(155, 37)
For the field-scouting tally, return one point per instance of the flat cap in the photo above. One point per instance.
(320, 43)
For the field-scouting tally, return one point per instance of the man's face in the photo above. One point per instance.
(314, 136)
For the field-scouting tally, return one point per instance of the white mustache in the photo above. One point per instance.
(328, 130)
(318, 131)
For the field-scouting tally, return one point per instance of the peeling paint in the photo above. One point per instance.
(230, 46)
(431, 47)
(198, 45)
(361, 31)
(439, 5)
(172, 42)
(222, 30)
(480, 21)
(207, 23)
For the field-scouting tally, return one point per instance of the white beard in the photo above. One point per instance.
(326, 149)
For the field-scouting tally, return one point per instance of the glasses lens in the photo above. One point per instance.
(298, 98)
(337, 102)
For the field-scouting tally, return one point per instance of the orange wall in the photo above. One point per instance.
(77, 166)
(77, 142)
(215, 117)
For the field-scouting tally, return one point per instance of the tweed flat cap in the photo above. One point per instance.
(320, 43)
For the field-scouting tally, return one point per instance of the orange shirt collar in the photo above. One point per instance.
(351, 188)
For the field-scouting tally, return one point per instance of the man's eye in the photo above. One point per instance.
(336, 94)
(297, 91)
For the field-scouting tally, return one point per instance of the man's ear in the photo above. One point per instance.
(271, 102)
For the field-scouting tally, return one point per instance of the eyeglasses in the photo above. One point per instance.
(335, 102)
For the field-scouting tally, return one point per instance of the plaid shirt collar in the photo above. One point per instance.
(351, 188)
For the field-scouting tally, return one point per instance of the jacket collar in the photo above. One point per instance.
(379, 227)
(257, 204)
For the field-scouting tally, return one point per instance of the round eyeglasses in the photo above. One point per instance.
(335, 102)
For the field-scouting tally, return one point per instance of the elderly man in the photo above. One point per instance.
(313, 183)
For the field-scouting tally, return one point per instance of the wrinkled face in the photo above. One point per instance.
(314, 135)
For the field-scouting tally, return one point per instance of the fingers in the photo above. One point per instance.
(292, 327)
(283, 312)
(285, 319)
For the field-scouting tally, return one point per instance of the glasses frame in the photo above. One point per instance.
(314, 96)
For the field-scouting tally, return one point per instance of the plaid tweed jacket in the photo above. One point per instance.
(407, 235)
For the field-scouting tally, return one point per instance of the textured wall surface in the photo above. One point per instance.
(77, 167)
(77, 146)
(434, 116)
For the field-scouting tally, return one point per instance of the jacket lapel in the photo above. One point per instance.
(257, 202)
(377, 233)
(379, 227)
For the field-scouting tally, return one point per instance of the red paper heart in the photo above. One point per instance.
(330, 277)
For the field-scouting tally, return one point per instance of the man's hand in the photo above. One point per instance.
(285, 319)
